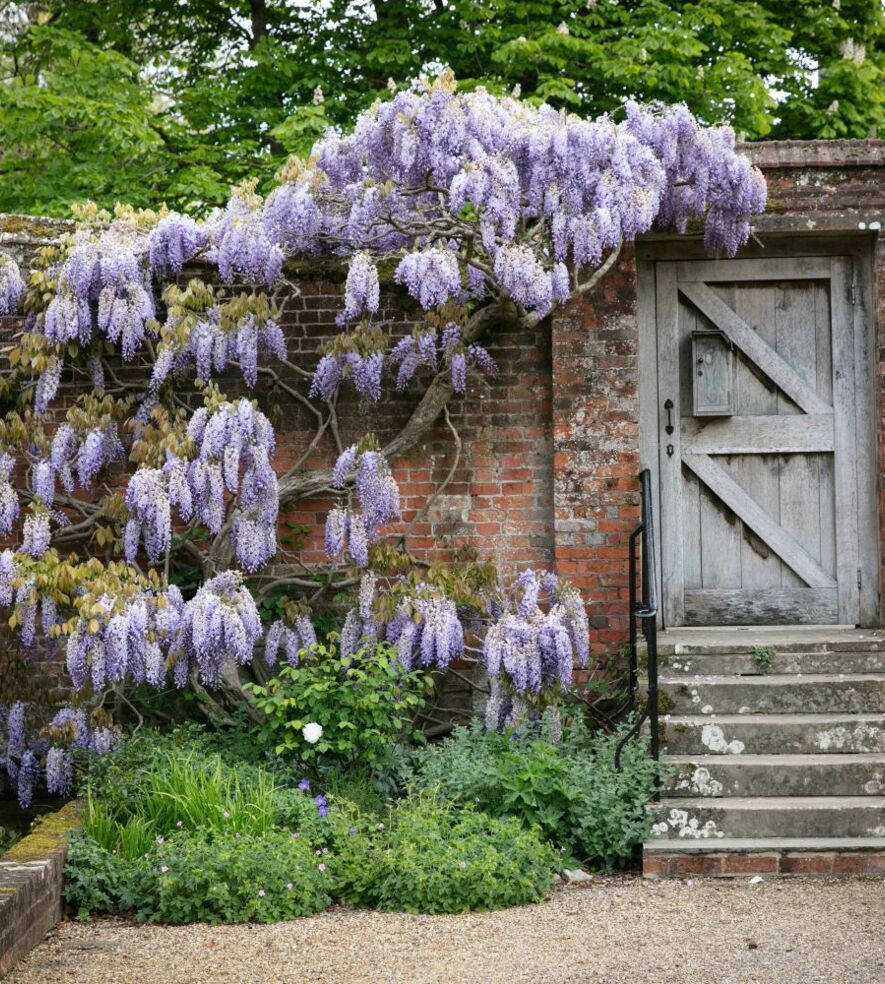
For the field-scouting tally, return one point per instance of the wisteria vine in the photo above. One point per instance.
(476, 205)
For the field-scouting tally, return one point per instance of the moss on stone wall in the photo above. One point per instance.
(49, 832)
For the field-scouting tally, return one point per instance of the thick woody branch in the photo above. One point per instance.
(423, 417)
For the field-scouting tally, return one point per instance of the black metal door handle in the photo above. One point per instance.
(668, 406)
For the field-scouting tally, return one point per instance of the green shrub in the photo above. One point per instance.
(228, 879)
(93, 877)
(570, 788)
(363, 703)
(431, 856)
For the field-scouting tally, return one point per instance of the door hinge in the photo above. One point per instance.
(859, 578)
(853, 293)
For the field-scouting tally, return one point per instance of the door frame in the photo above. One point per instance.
(858, 248)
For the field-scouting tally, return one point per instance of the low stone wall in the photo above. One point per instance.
(30, 885)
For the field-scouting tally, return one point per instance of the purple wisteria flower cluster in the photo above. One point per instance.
(18, 588)
(242, 245)
(530, 650)
(426, 630)
(432, 349)
(550, 192)
(377, 493)
(234, 448)
(141, 638)
(54, 746)
(12, 287)
(102, 289)
(292, 642)
(210, 347)
(9, 506)
(77, 456)
(175, 240)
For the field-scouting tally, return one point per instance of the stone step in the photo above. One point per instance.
(708, 662)
(767, 734)
(775, 816)
(775, 775)
(852, 693)
(767, 857)
(781, 639)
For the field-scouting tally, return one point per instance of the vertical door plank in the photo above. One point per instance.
(847, 549)
(797, 341)
(672, 568)
(758, 474)
(691, 513)
(720, 529)
(867, 486)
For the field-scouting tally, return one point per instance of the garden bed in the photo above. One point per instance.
(187, 827)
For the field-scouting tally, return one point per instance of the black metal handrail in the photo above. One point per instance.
(644, 612)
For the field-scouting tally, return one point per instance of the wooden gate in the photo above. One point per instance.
(758, 401)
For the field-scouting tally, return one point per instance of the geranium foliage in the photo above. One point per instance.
(487, 210)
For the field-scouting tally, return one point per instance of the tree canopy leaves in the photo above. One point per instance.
(176, 100)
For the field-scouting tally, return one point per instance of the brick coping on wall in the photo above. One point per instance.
(31, 875)
(815, 153)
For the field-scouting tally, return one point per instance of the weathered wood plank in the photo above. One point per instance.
(759, 474)
(766, 606)
(649, 443)
(720, 530)
(691, 525)
(672, 570)
(759, 435)
(743, 505)
(865, 404)
(786, 268)
(755, 348)
(796, 341)
(845, 470)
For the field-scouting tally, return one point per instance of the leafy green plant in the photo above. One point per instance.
(434, 856)
(231, 878)
(129, 839)
(570, 789)
(93, 877)
(762, 657)
(200, 794)
(362, 703)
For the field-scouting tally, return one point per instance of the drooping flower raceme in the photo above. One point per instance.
(377, 494)
(291, 641)
(427, 631)
(235, 446)
(175, 240)
(242, 245)
(528, 650)
(12, 287)
(150, 515)
(362, 291)
(9, 506)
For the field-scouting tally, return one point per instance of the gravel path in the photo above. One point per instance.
(788, 932)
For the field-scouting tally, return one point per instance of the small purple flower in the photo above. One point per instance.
(304, 785)
(321, 867)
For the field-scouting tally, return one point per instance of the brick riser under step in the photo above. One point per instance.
(775, 773)
(745, 861)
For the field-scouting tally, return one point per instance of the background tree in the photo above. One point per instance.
(203, 95)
